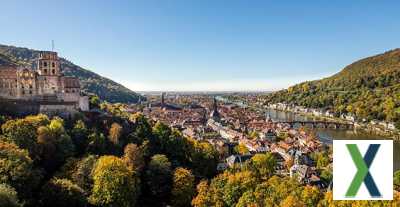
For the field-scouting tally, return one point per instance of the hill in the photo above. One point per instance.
(368, 88)
(91, 82)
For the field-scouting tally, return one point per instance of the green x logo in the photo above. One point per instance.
(363, 174)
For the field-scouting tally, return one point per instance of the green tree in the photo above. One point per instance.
(183, 188)
(55, 145)
(62, 193)
(8, 196)
(17, 170)
(97, 143)
(79, 136)
(158, 176)
(114, 183)
(396, 180)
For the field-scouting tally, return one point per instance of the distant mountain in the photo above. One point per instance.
(368, 88)
(91, 82)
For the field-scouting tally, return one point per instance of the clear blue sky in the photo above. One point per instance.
(205, 45)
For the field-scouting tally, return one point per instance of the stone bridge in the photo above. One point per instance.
(319, 124)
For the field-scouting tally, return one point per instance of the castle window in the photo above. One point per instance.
(53, 65)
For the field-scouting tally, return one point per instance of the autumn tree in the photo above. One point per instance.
(183, 188)
(133, 157)
(263, 165)
(115, 134)
(17, 169)
(202, 199)
(114, 183)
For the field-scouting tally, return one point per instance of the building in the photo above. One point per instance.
(41, 88)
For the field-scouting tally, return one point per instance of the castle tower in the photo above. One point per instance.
(48, 67)
(48, 64)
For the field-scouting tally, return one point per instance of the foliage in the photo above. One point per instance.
(183, 188)
(133, 157)
(79, 136)
(54, 144)
(17, 170)
(368, 89)
(241, 149)
(114, 183)
(8, 196)
(158, 176)
(396, 180)
(62, 193)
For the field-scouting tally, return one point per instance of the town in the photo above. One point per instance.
(238, 133)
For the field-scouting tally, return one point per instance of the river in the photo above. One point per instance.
(327, 135)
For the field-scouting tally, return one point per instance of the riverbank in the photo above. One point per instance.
(364, 127)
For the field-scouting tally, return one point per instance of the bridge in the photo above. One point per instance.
(319, 124)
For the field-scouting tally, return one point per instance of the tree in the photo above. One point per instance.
(97, 143)
(158, 176)
(8, 196)
(183, 187)
(114, 183)
(396, 180)
(310, 195)
(22, 132)
(94, 102)
(55, 145)
(82, 175)
(115, 133)
(291, 201)
(62, 193)
(17, 170)
(79, 136)
(241, 149)
(202, 199)
(133, 157)
(264, 164)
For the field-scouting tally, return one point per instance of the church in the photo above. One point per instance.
(41, 88)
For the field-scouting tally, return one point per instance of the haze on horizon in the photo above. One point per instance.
(205, 45)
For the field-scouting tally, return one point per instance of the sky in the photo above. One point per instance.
(204, 45)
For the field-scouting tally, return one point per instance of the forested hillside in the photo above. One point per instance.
(368, 88)
(91, 82)
(126, 160)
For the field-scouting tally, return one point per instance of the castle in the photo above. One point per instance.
(41, 88)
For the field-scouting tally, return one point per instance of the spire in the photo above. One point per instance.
(214, 114)
(162, 99)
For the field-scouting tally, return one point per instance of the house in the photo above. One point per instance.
(237, 159)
